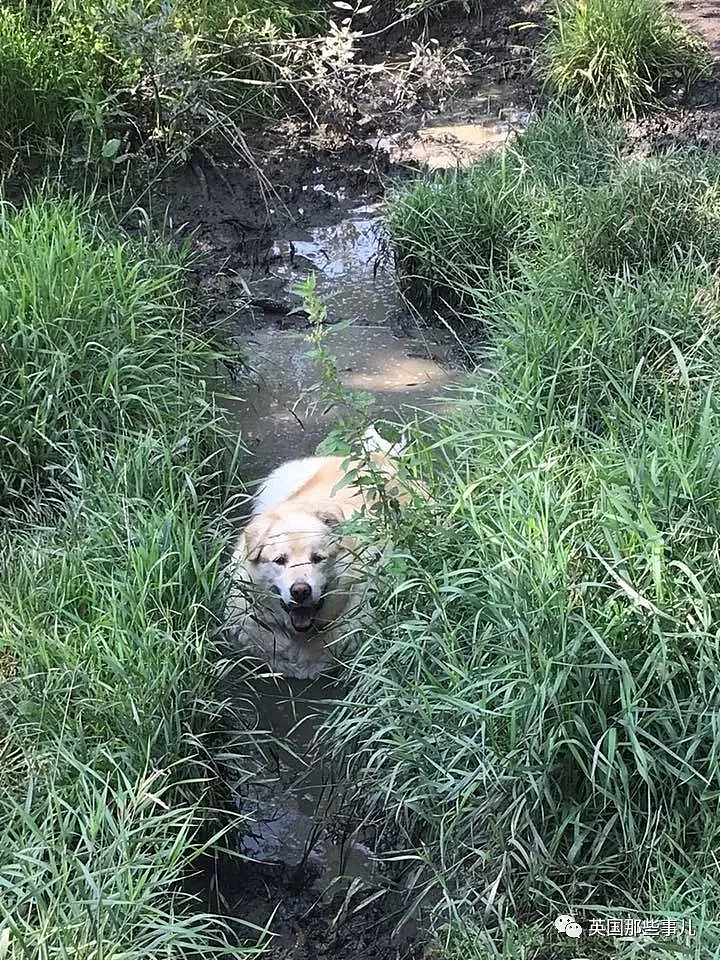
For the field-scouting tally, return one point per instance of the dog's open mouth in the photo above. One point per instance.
(302, 618)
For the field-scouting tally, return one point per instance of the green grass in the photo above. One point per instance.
(42, 78)
(110, 585)
(566, 192)
(100, 83)
(533, 722)
(618, 56)
(597, 354)
(85, 323)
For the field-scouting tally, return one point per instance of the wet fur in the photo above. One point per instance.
(297, 516)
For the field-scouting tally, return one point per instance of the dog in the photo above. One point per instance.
(297, 578)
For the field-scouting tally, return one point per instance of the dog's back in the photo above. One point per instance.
(314, 479)
(311, 479)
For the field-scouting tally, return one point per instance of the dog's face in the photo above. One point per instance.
(294, 557)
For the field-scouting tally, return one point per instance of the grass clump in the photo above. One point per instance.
(106, 727)
(566, 190)
(85, 324)
(533, 721)
(617, 56)
(599, 354)
(539, 720)
(109, 583)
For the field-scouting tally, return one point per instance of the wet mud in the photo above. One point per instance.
(305, 870)
(690, 116)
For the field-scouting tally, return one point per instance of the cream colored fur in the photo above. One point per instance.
(293, 544)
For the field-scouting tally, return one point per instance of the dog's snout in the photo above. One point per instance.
(300, 591)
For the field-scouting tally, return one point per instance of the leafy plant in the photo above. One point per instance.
(150, 73)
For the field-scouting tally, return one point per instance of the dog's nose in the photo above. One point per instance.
(300, 591)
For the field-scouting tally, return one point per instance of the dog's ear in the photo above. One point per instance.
(254, 537)
(330, 513)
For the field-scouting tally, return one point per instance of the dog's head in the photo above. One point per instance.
(293, 555)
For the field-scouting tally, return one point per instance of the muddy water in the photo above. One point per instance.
(307, 870)
(298, 831)
(463, 132)
(383, 350)
(380, 351)
(288, 810)
(305, 862)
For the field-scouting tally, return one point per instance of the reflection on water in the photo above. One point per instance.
(355, 276)
(292, 803)
(462, 133)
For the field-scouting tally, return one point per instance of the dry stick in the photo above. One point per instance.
(237, 140)
(218, 172)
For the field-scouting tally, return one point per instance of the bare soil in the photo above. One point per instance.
(703, 18)
(691, 115)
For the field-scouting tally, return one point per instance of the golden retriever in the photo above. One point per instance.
(296, 578)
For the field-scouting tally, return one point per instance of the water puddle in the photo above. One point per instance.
(447, 146)
(460, 134)
(292, 812)
(381, 351)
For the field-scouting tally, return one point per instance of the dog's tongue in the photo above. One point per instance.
(301, 618)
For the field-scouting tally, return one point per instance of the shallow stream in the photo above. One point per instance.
(381, 350)
(307, 870)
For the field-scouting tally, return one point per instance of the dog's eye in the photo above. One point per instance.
(281, 560)
(317, 557)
